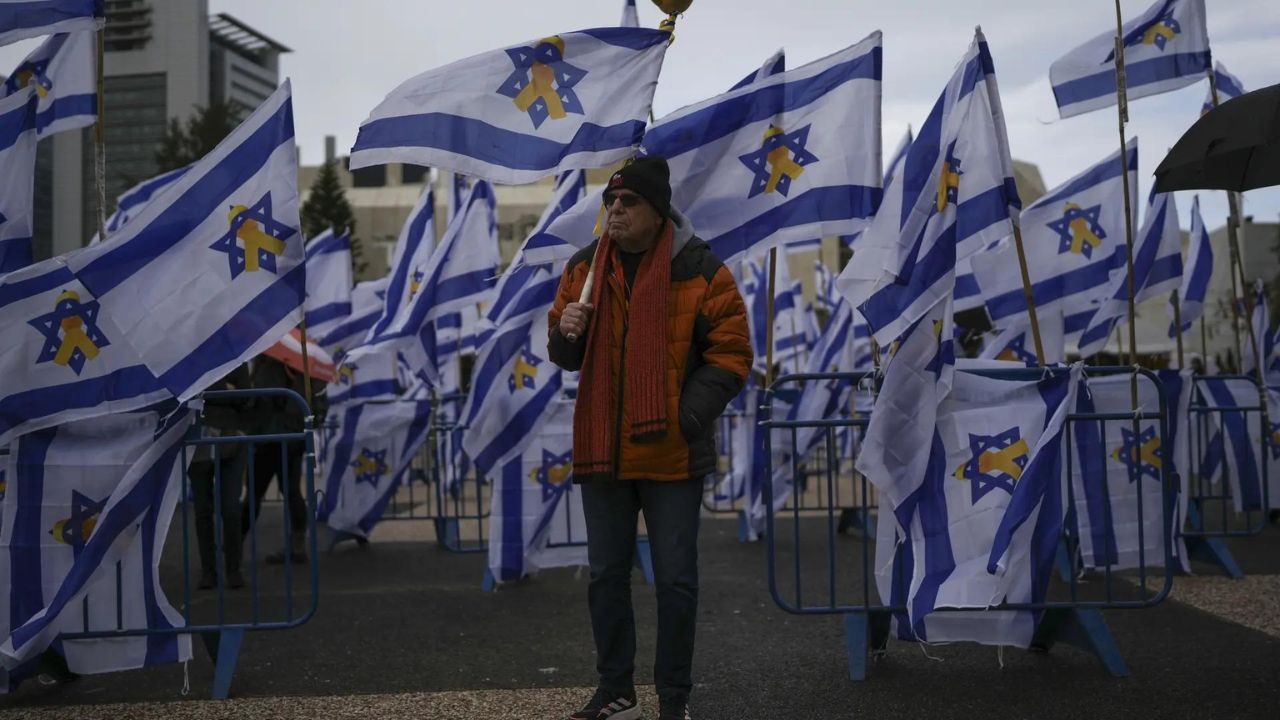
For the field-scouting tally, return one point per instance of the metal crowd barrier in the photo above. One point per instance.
(713, 500)
(1211, 515)
(223, 626)
(844, 585)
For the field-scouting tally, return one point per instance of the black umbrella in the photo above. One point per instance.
(1235, 146)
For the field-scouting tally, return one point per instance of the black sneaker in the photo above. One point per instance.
(208, 580)
(611, 706)
(674, 709)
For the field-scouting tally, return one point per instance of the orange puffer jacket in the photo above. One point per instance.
(707, 362)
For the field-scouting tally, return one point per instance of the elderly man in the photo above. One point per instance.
(663, 347)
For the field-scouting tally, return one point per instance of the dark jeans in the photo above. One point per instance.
(267, 464)
(671, 511)
(229, 479)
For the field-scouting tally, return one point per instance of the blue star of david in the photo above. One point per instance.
(1274, 441)
(981, 483)
(521, 377)
(74, 530)
(1018, 349)
(1130, 454)
(260, 213)
(1062, 226)
(953, 163)
(377, 466)
(39, 76)
(552, 461)
(566, 78)
(3, 219)
(759, 162)
(1138, 34)
(50, 326)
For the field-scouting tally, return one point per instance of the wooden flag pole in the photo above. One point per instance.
(1177, 323)
(306, 365)
(99, 139)
(1026, 289)
(1232, 241)
(768, 338)
(1122, 107)
(1204, 345)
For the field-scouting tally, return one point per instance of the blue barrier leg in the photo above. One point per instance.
(1214, 552)
(863, 634)
(224, 648)
(1063, 562)
(488, 584)
(447, 533)
(856, 519)
(1084, 629)
(743, 534)
(643, 559)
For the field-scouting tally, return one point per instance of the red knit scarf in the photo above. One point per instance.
(645, 363)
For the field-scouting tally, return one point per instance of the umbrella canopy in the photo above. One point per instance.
(1235, 146)
(289, 352)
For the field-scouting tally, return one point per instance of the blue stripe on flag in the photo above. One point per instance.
(967, 286)
(521, 424)
(19, 290)
(67, 107)
(1097, 175)
(939, 561)
(26, 598)
(515, 150)
(824, 204)
(631, 38)
(239, 166)
(512, 553)
(239, 332)
(161, 648)
(1238, 434)
(31, 405)
(352, 328)
(329, 245)
(326, 313)
(1144, 72)
(693, 131)
(43, 13)
(1050, 290)
(341, 458)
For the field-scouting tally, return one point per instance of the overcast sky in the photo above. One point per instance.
(348, 54)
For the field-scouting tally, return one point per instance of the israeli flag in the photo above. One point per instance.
(369, 459)
(537, 519)
(630, 17)
(1016, 343)
(753, 462)
(513, 116)
(793, 157)
(824, 284)
(22, 19)
(460, 272)
(956, 196)
(1157, 269)
(138, 197)
(64, 72)
(1245, 442)
(776, 64)
(86, 517)
(1165, 48)
(414, 247)
(214, 274)
(1229, 86)
(459, 186)
(1116, 475)
(983, 527)
(372, 377)
(513, 380)
(18, 136)
(1260, 346)
(788, 326)
(755, 294)
(1196, 274)
(368, 300)
(541, 247)
(1073, 238)
(328, 300)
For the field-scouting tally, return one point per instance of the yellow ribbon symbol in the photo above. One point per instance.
(254, 239)
(1147, 453)
(949, 179)
(1161, 30)
(366, 465)
(1003, 460)
(1081, 231)
(780, 162)
(556, 475)
(541, 82)
(524, 373)
(73, 335)
(348, 374)
(27, 77)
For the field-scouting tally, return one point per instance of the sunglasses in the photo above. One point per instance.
(628, 201)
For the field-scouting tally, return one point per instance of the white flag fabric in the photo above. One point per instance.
(541, 247)
(22, 19)
(1073, 238)
(513, 116)
(414, 247)
(983, 526)
(86, 518)
(1165, 48)
(1196, 273)
(777, 63)
(368, 301)
(372, 377)
(212, 273)
(460, 272)
(537, 510)
(956, 196)
(138, 197)
(1109, 469)
(1157, 269)
(18, 137)
(1229, 86)
(1259, 344)
(1016, 343)
(1242, 441)
(64, 72)
(367, 460)
(328, 300)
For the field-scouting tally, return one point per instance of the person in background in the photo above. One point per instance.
(220, 469)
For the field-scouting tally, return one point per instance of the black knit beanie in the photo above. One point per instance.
(650, 178)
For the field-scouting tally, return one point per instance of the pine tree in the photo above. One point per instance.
(185, 144)
(327, 207)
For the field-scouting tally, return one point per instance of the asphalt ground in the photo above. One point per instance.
(403, 629)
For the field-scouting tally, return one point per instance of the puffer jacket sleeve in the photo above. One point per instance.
(722, 335)
(562, 352)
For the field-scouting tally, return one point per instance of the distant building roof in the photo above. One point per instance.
(242, 38)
